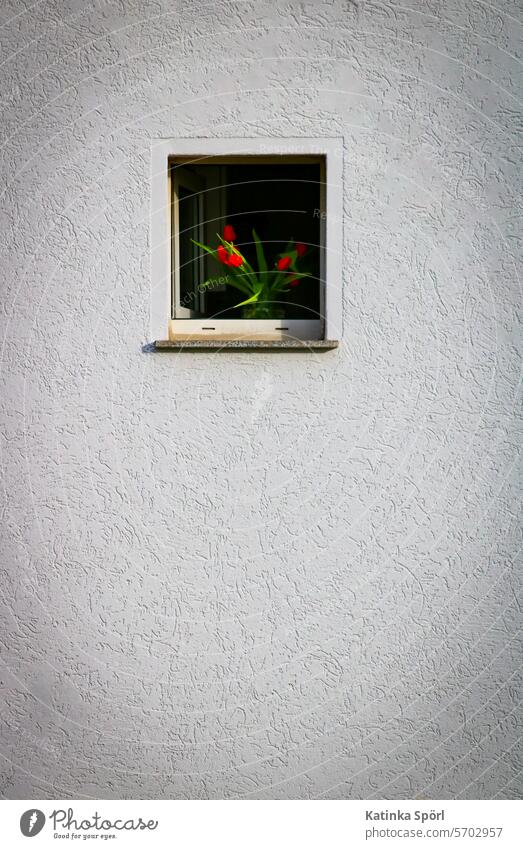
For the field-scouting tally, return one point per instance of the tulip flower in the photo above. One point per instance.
(223, 254)
(229, 233)
(260, 281)
(283, 263)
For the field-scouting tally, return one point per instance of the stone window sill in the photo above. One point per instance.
(246, 345)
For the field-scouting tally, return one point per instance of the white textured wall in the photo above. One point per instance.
(251, 575)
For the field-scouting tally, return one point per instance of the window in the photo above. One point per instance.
(246, 238)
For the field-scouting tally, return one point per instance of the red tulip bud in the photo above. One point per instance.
(294, 282)
(283, 263)
(235, 260)
(300, 248)
(223, 254)
(228, 233)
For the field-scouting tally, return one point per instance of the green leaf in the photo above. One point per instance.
(247, 281)
(248, 301)
(241, 282)
(260, 255)
(210, 282)
(204, 247)
(237, 281)
(233, 249)
(283, 278)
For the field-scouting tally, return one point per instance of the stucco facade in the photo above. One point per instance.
(245, 574)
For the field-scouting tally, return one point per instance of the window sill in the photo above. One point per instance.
(246, 345)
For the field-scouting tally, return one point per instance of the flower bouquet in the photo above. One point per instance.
(264, 287)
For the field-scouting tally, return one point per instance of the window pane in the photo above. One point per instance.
(281, 202)
(189, 253)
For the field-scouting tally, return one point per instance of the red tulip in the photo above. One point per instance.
(228, 233)
(300, 248)
(235, 260)
(294, 282)
(283, 263)
(223, 255)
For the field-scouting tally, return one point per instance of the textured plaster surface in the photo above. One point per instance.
(261, 575)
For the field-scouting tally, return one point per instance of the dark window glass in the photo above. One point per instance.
(281, 202)
(189, 253)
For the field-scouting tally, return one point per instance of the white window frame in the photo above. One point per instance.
(331, 228)
(192, 183)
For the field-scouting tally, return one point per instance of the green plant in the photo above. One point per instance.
(263, 286)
